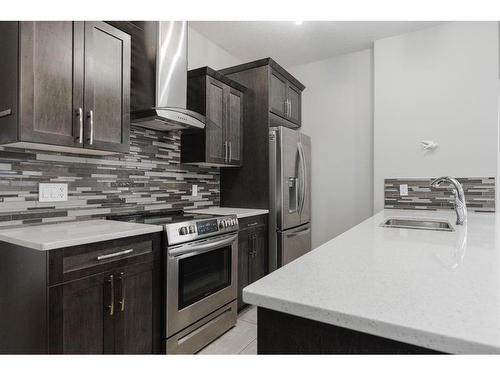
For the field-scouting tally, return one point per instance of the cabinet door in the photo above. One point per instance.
(234, 125)
(134, 324)
(216, 147)
(277, 95)
(107, 87)
(243, 264)
(259, 254)
(80, 316)
(295, 106)
(51, 82)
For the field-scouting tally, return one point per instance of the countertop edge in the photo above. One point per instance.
(256, 211)
(80, 241)
(407, 335)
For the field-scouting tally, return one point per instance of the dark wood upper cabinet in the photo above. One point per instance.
(107, 87)
(294, 96)
(234, 128)
(215, 118)
(284, 99)
(277, 94)
(272, 98)
(281, 90)
(72, 90)
(51, 82)
(220, 100)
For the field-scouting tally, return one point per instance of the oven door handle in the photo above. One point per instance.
(194, 249)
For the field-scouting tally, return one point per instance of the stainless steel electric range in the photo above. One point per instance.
(200, 276)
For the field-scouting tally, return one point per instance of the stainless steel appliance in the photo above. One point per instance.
(201, 265)
(159, 49)
(290, 195)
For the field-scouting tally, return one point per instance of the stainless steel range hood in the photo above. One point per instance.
(170, 111)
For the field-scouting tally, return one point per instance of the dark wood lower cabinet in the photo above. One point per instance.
(280, 333)
(79, 320)
(112, 306)
(252, 253)
(134, 332)
(243, 265)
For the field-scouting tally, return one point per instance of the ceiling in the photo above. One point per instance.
(292, 44)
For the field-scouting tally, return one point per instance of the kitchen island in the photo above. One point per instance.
(387, 290)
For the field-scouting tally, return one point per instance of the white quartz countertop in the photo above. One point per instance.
(239, 212)
(439, 290)
(54, 236)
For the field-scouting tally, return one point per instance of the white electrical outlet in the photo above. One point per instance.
(403, 190)
(194, 190)
(52, 192)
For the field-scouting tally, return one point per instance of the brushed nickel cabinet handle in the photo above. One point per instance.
(252, 224)
(122, 296)
(5, 112)
(79, 113)
(111, 305)
(230, 152)
(112, 255)
(225, 152)
(91, 119)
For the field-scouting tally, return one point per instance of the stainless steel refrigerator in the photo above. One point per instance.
(290, 195)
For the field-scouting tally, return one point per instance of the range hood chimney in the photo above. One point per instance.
(170, 111)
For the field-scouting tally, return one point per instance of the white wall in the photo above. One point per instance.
(337, 114)
(436, 84)
(204, 52)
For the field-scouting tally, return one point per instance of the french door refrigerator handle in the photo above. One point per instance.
(303, 178)
(293, 234)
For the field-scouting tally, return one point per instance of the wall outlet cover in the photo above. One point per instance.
(52, 192)
(403, 190)
(194, 190)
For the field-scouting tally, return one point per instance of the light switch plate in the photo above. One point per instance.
(194, 190)
(403, 190)
(52, 192)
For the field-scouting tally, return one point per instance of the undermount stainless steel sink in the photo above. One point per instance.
(417, 223)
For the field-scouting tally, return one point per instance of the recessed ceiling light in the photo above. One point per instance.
(299, 22)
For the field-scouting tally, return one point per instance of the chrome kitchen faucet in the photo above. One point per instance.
(458, 194)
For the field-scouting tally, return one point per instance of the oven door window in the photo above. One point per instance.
(204, 274)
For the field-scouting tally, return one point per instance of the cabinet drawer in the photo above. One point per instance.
(80, 261)
(92, 258)
(252, 221)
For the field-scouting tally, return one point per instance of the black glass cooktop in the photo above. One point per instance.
(161, 218)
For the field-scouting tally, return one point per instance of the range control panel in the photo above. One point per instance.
(196, 229)
(209, 226)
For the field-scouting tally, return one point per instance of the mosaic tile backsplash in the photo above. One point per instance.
(149, 178)
(479, 194)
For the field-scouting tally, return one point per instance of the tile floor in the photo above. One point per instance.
(241, 339)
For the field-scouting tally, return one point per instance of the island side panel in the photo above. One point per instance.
(23, 300)
(280, 333)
